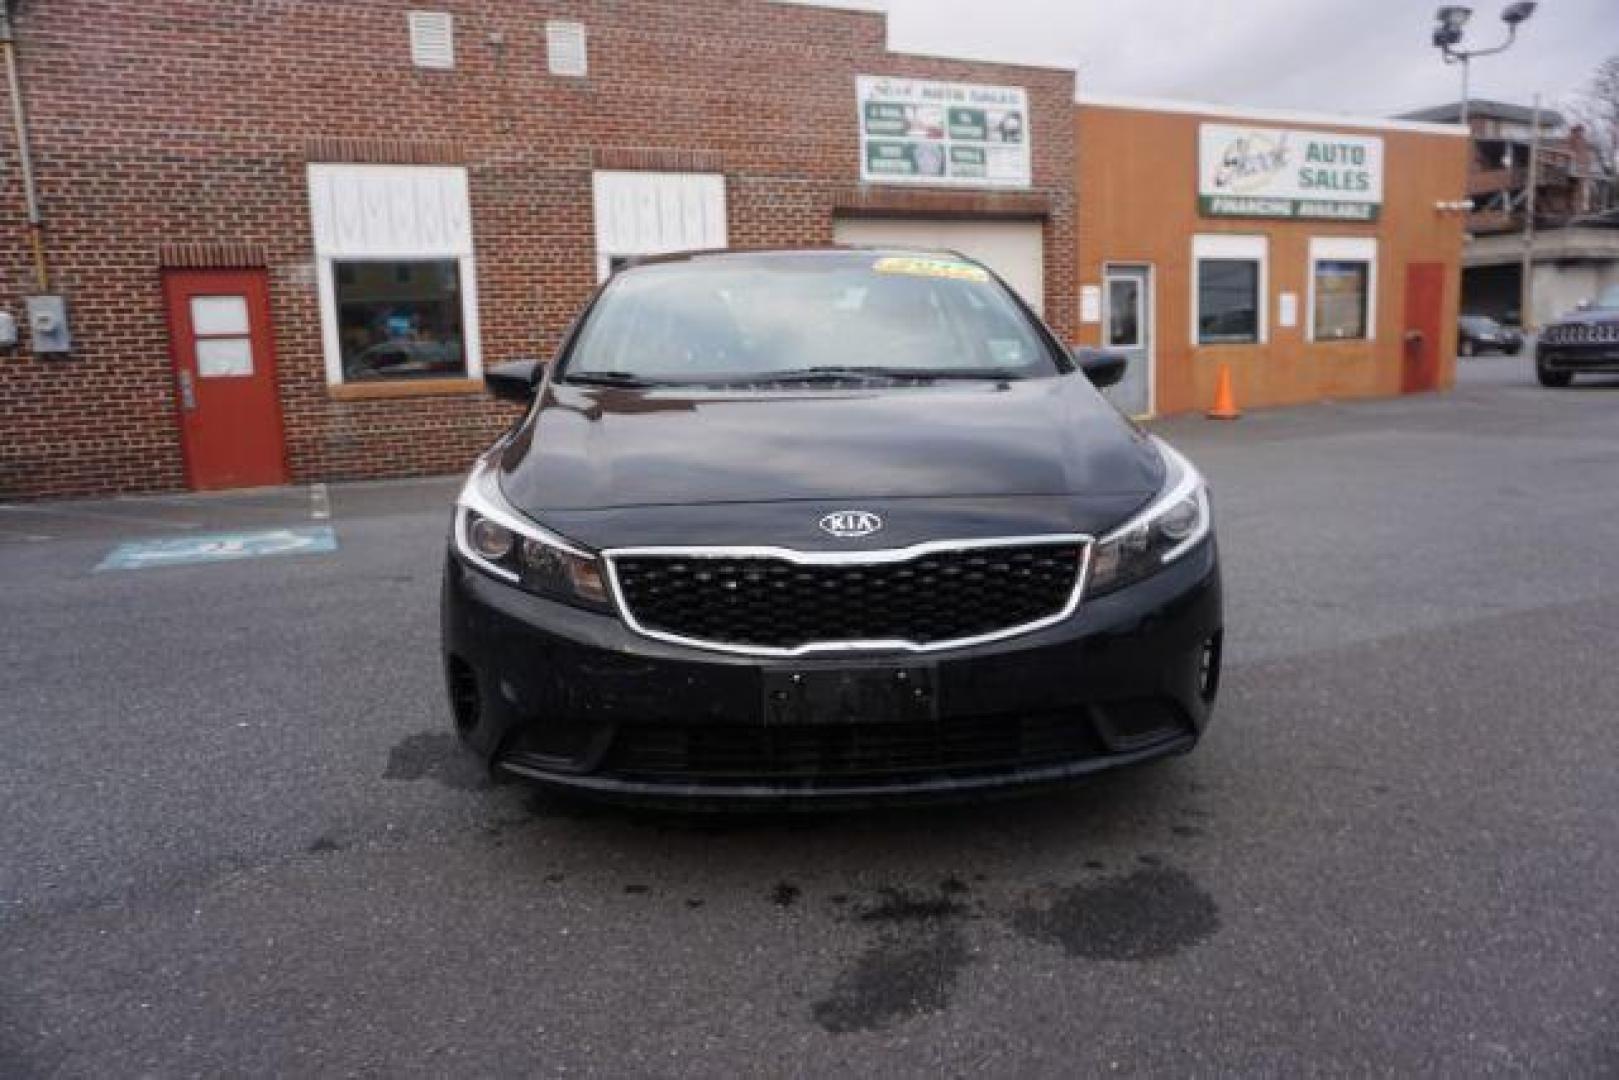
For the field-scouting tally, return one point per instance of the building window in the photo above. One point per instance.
(1228, 290)
(1123, 312)
(400, 320)
(394, 259)
(1227, 301)
(1343, 277)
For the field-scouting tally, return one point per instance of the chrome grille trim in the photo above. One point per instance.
(1084, 541)
(1581, 334)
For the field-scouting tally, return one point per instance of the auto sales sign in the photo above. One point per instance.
(1280, 173)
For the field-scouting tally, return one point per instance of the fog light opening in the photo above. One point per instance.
(1208, 668)
(464, 705)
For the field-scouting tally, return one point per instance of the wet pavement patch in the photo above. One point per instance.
(909, 968)
(437, 756)
(895, 979)
(1151, 913)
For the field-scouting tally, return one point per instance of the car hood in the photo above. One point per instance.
(1587, 317)
(586, 454)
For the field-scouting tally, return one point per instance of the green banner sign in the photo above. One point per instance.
(1302, 209)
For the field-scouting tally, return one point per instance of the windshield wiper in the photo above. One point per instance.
(834, 373)
(608, 378)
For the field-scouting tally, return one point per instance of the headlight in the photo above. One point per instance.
(500, 541)
(1168, 528)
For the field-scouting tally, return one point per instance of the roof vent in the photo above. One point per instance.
(565, 49)
(432, 39)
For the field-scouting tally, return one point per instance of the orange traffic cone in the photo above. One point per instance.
(1225, 402)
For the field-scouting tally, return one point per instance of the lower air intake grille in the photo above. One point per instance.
(852, 752)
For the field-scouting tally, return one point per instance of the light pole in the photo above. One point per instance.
(1447, 37)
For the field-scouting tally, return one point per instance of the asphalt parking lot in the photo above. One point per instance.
(239, 839)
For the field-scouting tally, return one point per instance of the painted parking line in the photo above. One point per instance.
(220, 547)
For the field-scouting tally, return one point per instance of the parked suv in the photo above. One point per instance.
(1586, 339)
(825, 527)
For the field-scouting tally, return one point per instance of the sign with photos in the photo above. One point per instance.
(960, 134)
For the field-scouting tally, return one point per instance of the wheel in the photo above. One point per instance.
(1551, 378)
(1467, 348)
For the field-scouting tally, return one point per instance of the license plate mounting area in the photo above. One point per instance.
(890, 694)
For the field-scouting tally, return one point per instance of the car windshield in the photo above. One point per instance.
(1607, 298)
(855, 315)
(1479, 322)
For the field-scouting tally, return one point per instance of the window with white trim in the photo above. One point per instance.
(1229, 287)
(1343, 288)
(396, 273)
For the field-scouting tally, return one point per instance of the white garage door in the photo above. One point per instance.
(1013, 249)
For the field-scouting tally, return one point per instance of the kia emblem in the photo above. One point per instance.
(851, 524)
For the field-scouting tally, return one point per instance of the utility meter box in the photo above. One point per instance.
(47, 323)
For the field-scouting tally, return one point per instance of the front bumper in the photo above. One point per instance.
(577, 700)
(1592, 356)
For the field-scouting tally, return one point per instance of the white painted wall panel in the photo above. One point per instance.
(653, 213)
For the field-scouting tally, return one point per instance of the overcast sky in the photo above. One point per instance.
(1356, 56)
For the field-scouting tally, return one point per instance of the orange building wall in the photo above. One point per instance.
(1138, 204)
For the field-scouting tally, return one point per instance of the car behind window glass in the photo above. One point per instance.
(400, 320)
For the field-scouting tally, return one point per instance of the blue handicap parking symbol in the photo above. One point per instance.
(220, 547)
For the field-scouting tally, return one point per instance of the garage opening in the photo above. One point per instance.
(1013, 249)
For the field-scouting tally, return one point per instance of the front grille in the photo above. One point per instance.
(774, 603)
(1582, 334)
(853, 752)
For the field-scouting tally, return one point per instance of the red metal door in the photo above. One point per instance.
(1424, 335)
(224, 372)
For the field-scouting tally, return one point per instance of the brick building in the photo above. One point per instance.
(279, 240)
(305, 227)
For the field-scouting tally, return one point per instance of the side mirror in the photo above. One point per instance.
(514, 381)
(1101, 367)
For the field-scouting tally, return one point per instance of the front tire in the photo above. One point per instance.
(1552, 379)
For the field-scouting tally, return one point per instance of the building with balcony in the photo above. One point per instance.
(1575, 245)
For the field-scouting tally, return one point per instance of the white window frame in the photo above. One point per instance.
(354, 209)
(1211, 246)
(1344, 249)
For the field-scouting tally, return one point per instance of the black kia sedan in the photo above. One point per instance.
(782, 529)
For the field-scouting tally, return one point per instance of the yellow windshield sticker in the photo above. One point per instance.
(934, 268)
